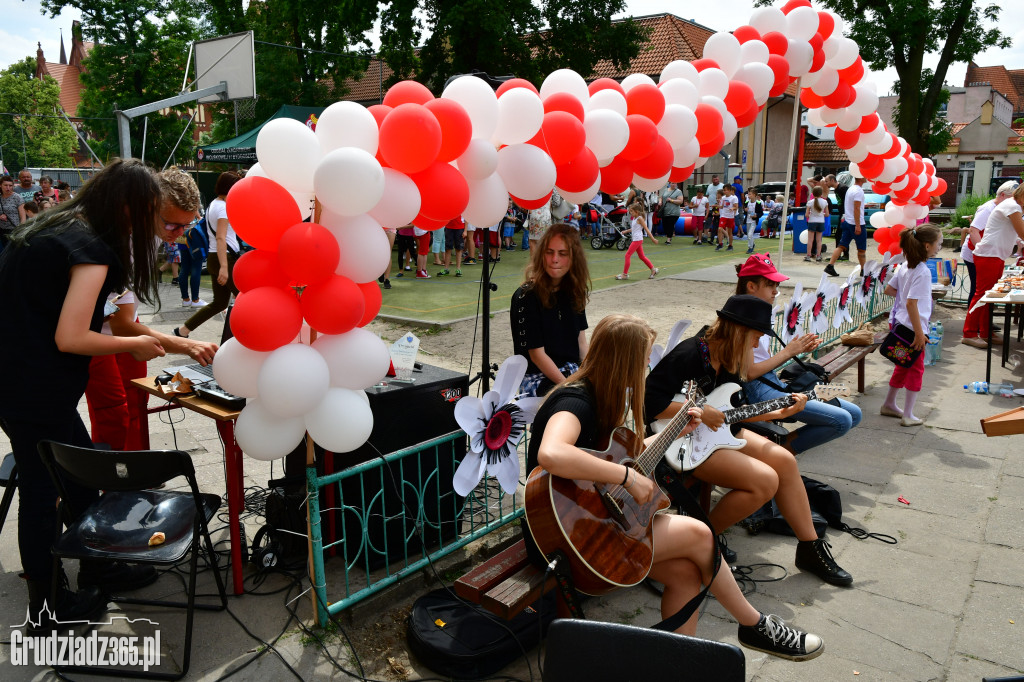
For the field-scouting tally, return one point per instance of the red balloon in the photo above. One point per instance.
(410, 138)
(817, 43)
(616, 176)
(266, 318)
(563, 136)
(883, 247)
(880, 188)
(712, 147)
(916, 164)
(605, 84)
(578, 174)
(308, 253)
(872, 166)
(894, 150)
(838, 97)
(854, 72)
(793, 4)
(428, 224)
(563, 101)
(658, 162)
(530, 204)
(379, 112)
(845, 139)
(538, 139)
(746, 33)
(646, 100)
(869, 123)
(260, 210)
(883, 235)
(709, 122)
(333, 306)
(811, 99)
(941, 189)
(373, 298)
(826, 24)
(456, 128)
(704, 63)
(739, 97)
(258, 268)
(777, 43)
(444, 193)
(680, 174)
(513, 83)
(749, 116)
(642, 133)
(407, 92)
(779, 67)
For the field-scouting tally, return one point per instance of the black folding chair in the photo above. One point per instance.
(121, 523)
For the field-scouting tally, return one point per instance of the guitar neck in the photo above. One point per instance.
(738, 414)
(650, 457)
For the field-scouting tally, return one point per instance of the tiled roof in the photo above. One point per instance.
(824, 151)
(671, 38)
(1009, 83)
(67, 78)
(370, 88)
(955, 128)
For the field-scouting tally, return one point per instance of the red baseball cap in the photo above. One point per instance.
(760, 264)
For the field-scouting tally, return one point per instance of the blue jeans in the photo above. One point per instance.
(189, 272)
(822, 422)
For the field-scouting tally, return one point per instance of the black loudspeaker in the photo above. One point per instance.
(578, 650)
(382, 523)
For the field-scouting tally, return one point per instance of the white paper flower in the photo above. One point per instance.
(845, 299)
(674, 337)
(869, 278)
(887, 269)
(817, 314)
(495, 424)
(793, 314)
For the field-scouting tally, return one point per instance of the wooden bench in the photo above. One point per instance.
(841, 358)
(507, 583)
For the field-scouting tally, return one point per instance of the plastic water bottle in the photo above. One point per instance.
(939, 333)
(977, 387)
(931, 350)
(1003, 390)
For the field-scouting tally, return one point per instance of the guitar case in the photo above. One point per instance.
(464, 641)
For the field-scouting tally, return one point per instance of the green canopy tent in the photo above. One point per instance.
(242, 149)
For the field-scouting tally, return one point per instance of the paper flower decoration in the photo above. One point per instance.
(817, 315)
(793, 315)
(495, 424)
(674, 337)
(845, 298)
(869, 278)
(887, 269)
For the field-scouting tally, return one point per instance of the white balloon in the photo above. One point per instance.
(850, 120)
(831, 46)
(900, 164)
(400, 202)
(766, 19)
(349, 181)
(635, 79)
(838, 29)
(235, 368)
(800, 54)
(759, 77)
(288, 152)
(565, 80)
(364, 246)
(878, 220)
(858, 152)
(607, 133)
(846, 54)
(527, 171)
(893, 213)
(701, 160)
(713, 83)
(678, 125)
(680, 91)
(754, 51)
(479, 101)
(716, 102)
(724, 49)
(900, 184)
(803, 236)
(650, 184)
(828, 80)
(729, 127)
(809, 79)
(815, 119)
(888, 172)
(263, 435)
(478, 161)
(488, 201)
(678, 69)
(584, 196)
(347, 124)
(855, 171)
(875, 135)
(830, 115)
(686, 154)
(343, 420)
(882, 146)
(256, 171)
(520, 115)
(801, 23)
(356, 359)
(609, 98)
(866, 102)
(293, 379)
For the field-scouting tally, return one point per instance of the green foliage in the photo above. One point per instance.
(138, 57)
(48, 139)
(965, 211)
(940, 134)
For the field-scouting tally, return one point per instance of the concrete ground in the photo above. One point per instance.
(945, 603)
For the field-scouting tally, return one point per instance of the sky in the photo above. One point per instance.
(24, 26)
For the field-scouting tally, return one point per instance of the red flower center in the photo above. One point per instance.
(498, 430)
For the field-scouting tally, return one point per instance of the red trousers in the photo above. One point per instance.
(987, 272)
(114, 413)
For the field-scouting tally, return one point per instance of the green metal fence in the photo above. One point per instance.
(878, 304)
(394, 515)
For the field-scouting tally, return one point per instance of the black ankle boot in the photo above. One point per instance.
(43, 617)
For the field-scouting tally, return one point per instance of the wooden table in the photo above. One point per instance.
(233, 473)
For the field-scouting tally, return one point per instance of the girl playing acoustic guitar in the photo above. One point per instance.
(583, 412)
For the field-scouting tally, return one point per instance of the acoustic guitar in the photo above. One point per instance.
(605, 533)
(691, 450)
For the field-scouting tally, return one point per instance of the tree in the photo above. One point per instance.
(49, 140)
(940, 134)
(138, 57)
(899, 33)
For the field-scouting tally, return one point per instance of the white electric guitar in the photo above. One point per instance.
(692, 450)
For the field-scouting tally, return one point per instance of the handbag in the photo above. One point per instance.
(898, 346)
(801, 376)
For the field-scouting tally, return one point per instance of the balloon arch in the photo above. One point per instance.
(425, 160)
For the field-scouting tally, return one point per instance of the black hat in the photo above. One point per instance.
(749, 311)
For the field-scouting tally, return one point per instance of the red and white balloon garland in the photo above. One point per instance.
(425, 160)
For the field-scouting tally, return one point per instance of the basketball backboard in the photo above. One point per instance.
(230, 59)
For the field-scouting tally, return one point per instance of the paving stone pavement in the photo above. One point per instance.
(945, 603)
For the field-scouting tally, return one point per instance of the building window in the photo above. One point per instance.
(997, 169)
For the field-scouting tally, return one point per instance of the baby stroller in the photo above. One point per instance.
(610, 233)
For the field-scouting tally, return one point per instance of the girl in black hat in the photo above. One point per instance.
(720, 354)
